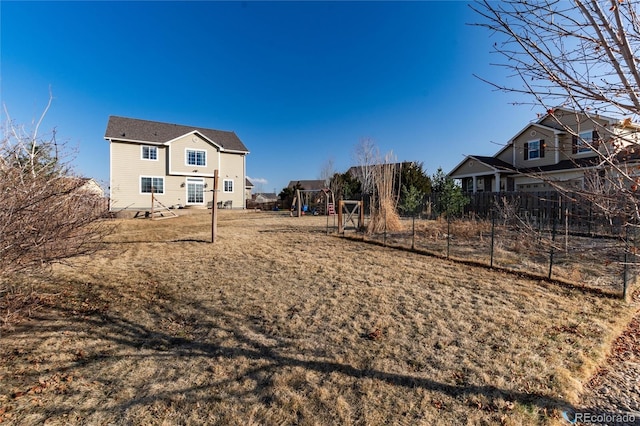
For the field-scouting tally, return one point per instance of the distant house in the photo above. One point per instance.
(541, 152)
(248, 188)
(174, 162)
(90, 186)
(265, 197)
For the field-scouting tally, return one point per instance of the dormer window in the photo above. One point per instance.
(585, 141)
(196, 157)
(534, 149)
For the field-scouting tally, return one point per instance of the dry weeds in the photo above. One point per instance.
(278, 323)
(596, 263)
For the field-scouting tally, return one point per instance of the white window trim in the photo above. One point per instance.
(186, 195)
(582, 147)
(150, 147)
(186, 157)
(536, 141)
(224, 186)
(151, 177)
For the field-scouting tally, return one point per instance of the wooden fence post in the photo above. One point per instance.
(214, 207)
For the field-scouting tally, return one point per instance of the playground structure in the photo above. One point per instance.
(315, 202)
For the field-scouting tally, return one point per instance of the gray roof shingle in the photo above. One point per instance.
(133, 129)
(496, 163)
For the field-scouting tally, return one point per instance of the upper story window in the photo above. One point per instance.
(228, 185)
(149, 152)
(534, 149)
(196, 157)
(585, 141)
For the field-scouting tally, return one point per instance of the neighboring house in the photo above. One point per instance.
(265, 197)
(543, 151)
(86, 185)
(248, 187)
(175, 162)
(90, 186)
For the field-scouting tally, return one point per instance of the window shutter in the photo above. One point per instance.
(595, 139)
(574, 144)
(526, 150)
(542, 146)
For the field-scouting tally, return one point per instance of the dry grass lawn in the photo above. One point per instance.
(278, 323)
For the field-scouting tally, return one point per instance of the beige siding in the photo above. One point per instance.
(178, 156)
(507, 155)
(127, 166)
(573, 121)
(232, 169)
(577, 123)
(471, 167)
(535, 133)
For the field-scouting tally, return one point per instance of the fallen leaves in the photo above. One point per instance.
(375, 334)
(57, 383)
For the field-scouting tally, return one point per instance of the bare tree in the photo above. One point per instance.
(582, 56)
(366, 155)
(327, 171)
(47, 214)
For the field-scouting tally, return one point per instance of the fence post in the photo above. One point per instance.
(493, 229)
(384, 243)
(413, 236)
(625, 270)
(553, 239)
(448, 233)
(327, 213)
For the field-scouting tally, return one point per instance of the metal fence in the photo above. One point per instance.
(546, 235)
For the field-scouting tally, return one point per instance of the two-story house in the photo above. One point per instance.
(561, 146)
(174, 162)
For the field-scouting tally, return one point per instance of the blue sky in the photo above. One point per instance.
(299, 82)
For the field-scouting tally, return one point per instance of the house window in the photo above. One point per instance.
(469, 183)
(584, 141)
(228, 185)
(149, 152)
(150, 184)
(534, 149)
(195, 191)
(196, 157)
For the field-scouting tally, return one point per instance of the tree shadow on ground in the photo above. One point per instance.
(129, 340)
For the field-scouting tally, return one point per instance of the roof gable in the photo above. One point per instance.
(492, 163)
(145, 131)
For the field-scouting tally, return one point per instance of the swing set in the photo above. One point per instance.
(315, 202)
